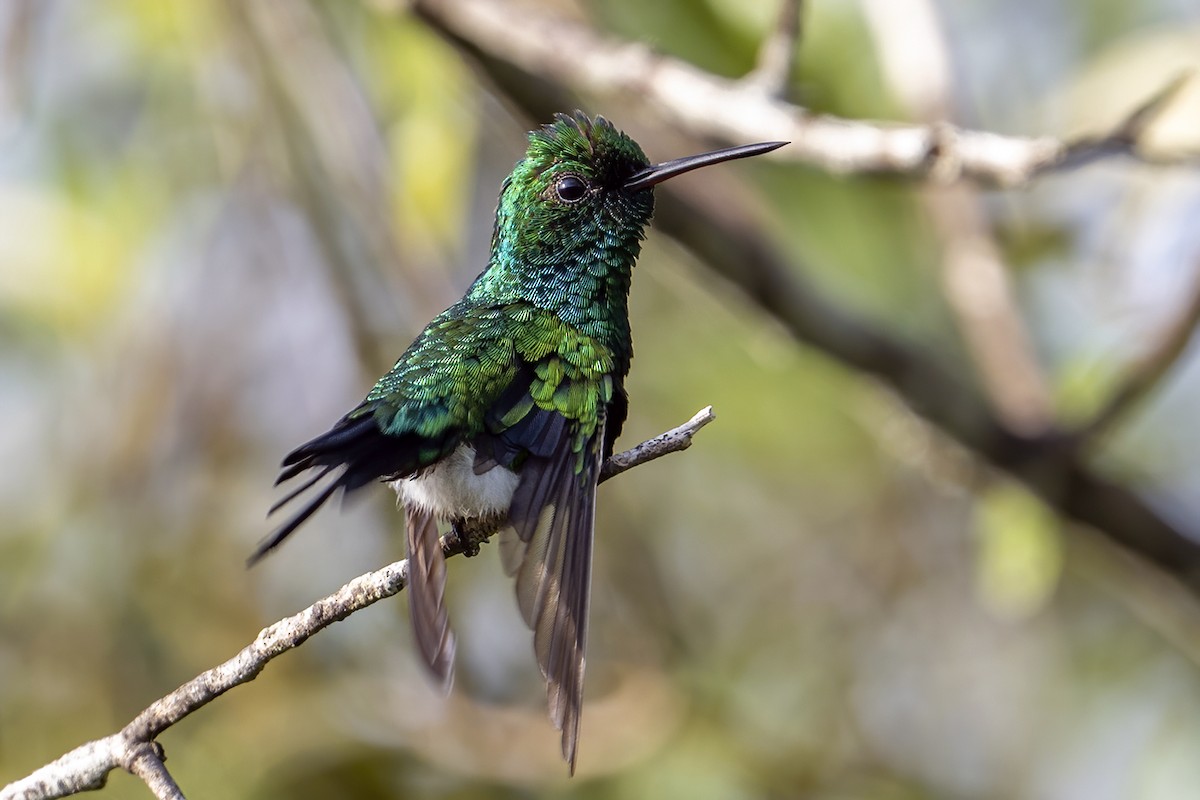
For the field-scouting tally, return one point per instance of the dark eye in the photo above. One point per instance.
(570, 188)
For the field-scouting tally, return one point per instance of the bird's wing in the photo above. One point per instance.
(553, 435)
(434, 398)
(549, 550)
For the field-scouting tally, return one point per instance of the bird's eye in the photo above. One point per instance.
(570, 188)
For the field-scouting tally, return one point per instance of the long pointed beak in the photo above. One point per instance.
(657, 173)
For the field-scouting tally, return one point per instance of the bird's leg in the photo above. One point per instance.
(462, 529)
(473, 532)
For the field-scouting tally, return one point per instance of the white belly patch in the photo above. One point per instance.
(450, 489)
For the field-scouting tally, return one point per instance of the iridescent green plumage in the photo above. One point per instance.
(508, 402)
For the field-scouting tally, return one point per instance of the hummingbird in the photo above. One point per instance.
(507, 404)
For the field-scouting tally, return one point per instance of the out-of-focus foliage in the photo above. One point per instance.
(220, 221)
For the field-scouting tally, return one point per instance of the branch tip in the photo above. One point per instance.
(1134, 126)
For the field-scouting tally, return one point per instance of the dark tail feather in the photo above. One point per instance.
(347, 434)
(304, 487)
(292, 470)
(288, 528)
(356, 451)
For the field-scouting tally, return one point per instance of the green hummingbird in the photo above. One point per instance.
(509, 401)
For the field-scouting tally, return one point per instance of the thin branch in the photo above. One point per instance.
(87, 767)
(1134, 126)
(773, 70)
(83, 769)
(672, 441)
(1145, 374)
(711, 107)
(147, 763)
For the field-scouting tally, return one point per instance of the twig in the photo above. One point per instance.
(711, 107)
(673, 440)
(1134, 126)
(1147, 372)
(778, 51)
(147, 763)
(87, 767)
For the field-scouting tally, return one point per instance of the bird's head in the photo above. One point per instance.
(582, 180)
(571, 217)
(569, 190)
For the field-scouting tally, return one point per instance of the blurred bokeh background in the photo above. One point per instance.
(220, 221)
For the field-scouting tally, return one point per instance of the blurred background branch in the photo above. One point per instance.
(773, 69)
(917, 68)
(1147, 372)
(706, 105)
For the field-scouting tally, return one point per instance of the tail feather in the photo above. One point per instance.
(288, 528)
(345, 434)
(427, 596)
(291, 471)
(299, 490)
(357, 452)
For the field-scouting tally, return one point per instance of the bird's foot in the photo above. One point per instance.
(471, 534)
